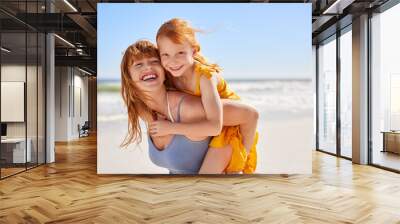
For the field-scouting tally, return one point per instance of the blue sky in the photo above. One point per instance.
(248, 40)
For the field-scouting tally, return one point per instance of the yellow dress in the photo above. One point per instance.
(229, 134)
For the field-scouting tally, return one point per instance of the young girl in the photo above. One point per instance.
(229, 120)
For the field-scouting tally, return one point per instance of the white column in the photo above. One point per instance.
(360, 90)
(50, 92)
(50, 100)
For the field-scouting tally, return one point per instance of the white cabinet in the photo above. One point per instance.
(18, 149)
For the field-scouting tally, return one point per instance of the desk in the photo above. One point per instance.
(391, 141)
(17, 150)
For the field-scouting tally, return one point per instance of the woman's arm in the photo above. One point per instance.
(210, 126)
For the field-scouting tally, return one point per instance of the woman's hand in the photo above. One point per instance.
(160, 127)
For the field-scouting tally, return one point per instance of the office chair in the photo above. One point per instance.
(84, 130)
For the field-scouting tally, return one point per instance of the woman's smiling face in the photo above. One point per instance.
(175, 58)
(147, 73)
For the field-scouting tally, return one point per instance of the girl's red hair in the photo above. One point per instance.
(179, 31)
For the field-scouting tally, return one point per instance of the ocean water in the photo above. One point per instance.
(276, 98)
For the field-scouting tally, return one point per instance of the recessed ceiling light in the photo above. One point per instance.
(64, 40)
(5, 50)
(84, 71)
(337, 7)
(71, 6)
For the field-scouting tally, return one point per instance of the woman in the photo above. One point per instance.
(146, 97)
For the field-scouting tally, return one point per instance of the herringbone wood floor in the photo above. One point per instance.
(70, 191)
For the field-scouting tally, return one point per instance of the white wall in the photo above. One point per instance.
(62, 81)
(80, 89)
(16, 73)
(70, 83)
(33, 126)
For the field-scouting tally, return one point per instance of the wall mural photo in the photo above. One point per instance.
(196, 89)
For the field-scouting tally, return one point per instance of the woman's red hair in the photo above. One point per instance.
(131, 94)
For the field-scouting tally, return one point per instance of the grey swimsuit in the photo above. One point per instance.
(182, 155)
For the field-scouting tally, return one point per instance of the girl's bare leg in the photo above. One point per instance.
(234, 113)
(237, 113)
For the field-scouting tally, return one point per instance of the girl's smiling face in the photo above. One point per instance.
(175, 58)
(147, 73)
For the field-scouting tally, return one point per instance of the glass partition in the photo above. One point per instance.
(13, 103)
(327, 95)
(385, 89)
(22, 88)
(346, 93)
